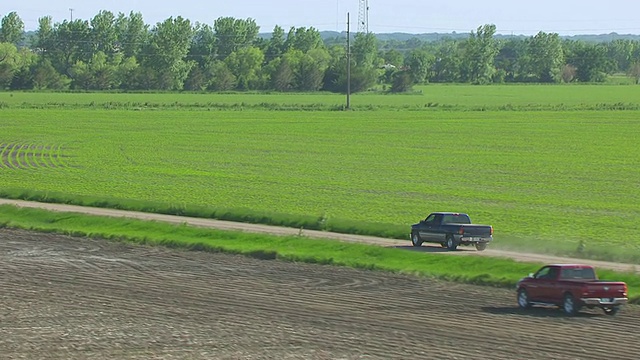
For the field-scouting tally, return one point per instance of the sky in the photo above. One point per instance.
(565, 17)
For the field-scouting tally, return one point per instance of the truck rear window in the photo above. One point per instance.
(456, 219)
(578, 273)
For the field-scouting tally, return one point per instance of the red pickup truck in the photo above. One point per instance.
(571, 286)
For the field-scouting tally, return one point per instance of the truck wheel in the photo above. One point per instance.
(415, 240)
(611, 310)
(523, 299)
(569, 305)
(451, 243)
(481, 246)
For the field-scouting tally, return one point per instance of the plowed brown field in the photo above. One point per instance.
(72, 298)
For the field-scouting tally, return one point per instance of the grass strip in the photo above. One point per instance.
(308, 222)
(496, 272)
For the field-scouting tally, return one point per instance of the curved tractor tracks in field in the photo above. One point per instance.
(313, 234)
(72, 298)
(15, 156)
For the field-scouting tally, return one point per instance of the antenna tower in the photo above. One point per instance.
(363, 16)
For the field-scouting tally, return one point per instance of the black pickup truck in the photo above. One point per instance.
(450, 230)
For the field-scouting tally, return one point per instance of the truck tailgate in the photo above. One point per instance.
(477, 230)
(603, 289)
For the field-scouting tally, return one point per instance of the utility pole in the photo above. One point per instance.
(348, 65)
(71, 12)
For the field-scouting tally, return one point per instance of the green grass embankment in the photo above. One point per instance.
(308, 222)
(471, 270)
(537, 244)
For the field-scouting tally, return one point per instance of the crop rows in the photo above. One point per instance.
(24, 156)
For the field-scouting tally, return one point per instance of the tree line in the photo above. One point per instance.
(122, 52)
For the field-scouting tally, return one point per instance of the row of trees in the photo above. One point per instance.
(122, 52)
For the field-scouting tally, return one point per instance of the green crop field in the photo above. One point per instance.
(553, 168)
(448, 97)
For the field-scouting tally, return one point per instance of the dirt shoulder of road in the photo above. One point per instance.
(314, 234)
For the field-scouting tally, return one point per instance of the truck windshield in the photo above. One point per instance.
(578, 274)
(456, 219)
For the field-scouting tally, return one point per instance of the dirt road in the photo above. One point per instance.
(312, 234)
(73, 298)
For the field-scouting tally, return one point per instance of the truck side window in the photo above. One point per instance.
(580, 273)
(543, 273)
(430, 219)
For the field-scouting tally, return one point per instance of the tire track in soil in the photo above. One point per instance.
(5, 156)
(15, 156)
(79, 298)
